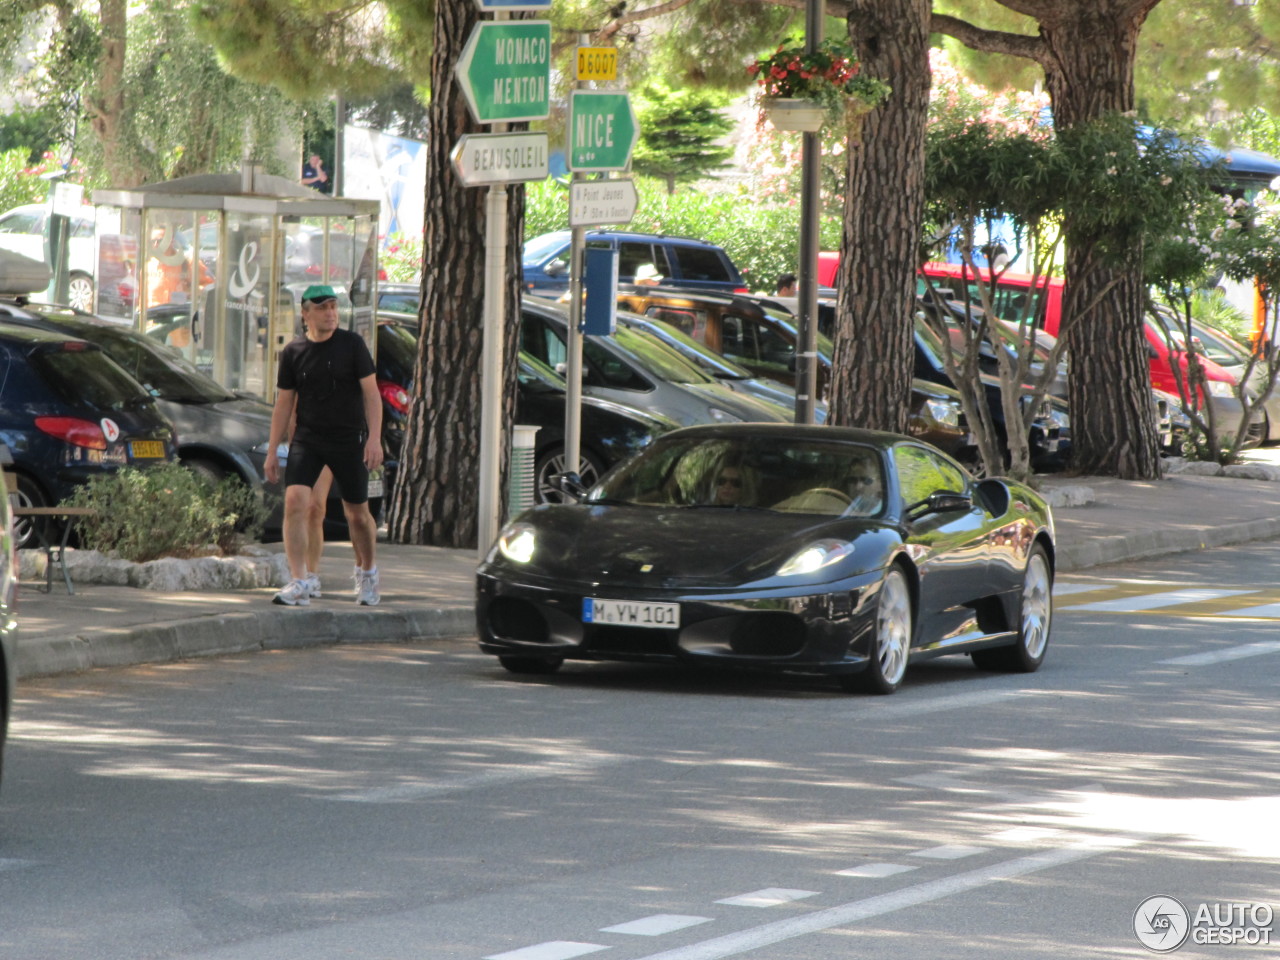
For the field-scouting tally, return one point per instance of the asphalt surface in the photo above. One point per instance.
(427, 592)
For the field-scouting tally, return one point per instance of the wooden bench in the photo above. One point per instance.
(67, 514)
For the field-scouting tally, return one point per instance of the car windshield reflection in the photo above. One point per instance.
(760, 473)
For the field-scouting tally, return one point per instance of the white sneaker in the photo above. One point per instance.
(294, 594)
(357, 578)
(312, 580)
(367, 591)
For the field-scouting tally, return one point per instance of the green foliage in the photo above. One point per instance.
(762, 239)
(18, 184)
(166, 511)
(401, 258)
(679, 130)
(312, 49)
(830, 75)
(33, 130)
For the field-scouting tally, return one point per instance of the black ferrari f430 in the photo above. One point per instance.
(799, 549)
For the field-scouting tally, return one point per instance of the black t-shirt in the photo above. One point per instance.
(326, 376)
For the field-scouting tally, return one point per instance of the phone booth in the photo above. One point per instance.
(215, 265)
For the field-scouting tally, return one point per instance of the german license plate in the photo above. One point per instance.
(631, 613)
(146, 449)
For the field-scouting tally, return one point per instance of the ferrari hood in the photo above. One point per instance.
(684, 547)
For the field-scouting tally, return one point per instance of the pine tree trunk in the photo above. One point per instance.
(106, 105)
(874, 350)
(1112, 425)
(435, 498)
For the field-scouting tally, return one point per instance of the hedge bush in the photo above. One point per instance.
(167, 511)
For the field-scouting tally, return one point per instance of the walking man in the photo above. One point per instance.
(329, 375)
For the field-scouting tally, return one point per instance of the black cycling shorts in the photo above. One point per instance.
(306, 460)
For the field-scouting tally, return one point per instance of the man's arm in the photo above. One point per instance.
(281, 418)
(373, 419)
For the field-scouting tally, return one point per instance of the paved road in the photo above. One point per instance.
(397, 802)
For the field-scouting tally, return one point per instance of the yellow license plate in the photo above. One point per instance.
(146, 448)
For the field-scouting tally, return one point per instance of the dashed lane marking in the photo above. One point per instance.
(875, 871)
(768, 897)
(551, 950)
(656, 925)
(798, 926)
(1155, 601)
(950, 851)
(1222, 656)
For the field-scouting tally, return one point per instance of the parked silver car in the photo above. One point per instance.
(640, 371)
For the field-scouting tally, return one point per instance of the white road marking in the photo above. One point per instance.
(1025, 835)
(769, 897)
(799, 926)
(658, 924)
(875, 870)
(1222, 656)
(1269, 611)
(495, 776)
(551, 950)
(1154, 601)
(1066, 589)
(951, 851)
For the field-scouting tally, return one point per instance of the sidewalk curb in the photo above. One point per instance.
(220, 634)
(1152, 543)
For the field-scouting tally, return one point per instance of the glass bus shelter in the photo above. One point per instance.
(215, 265)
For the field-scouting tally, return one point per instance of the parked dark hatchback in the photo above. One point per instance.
(68, 412)
(219, 433)
(8, 612)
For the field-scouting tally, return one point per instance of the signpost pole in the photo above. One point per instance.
(495, 306)
(573, 346)
(810, 178)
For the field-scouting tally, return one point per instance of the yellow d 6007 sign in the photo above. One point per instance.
(597, 63)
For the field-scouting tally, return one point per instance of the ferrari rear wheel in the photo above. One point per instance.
(891, 642)
(531, 665)
(1035, 617)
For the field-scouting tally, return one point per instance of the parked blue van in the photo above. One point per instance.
(678, 261)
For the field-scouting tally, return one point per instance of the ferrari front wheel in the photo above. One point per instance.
(891, 639)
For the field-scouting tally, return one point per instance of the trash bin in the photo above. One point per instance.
(521, 492)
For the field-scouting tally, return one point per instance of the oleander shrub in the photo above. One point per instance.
(167, 511)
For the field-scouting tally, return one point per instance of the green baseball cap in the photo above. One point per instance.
(318, 293)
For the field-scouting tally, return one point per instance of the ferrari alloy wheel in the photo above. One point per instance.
(1035, 617)
(534, 665)
(891, 642)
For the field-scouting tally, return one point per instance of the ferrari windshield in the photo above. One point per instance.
(758, 472)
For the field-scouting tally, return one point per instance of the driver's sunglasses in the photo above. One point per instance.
(865, 481)
(729, 481)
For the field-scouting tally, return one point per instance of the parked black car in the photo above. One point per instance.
(220, 433)
(8, 603)
(610, 431)
(68, 412)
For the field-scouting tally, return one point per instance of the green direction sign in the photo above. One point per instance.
(505, 70)
(603, 130)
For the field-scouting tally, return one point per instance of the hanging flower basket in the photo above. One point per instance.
(789, 113)
(802, 90)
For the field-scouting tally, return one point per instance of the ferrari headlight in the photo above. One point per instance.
(819, 554)
(1221, 388)
(944, 411)
(516, 543)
